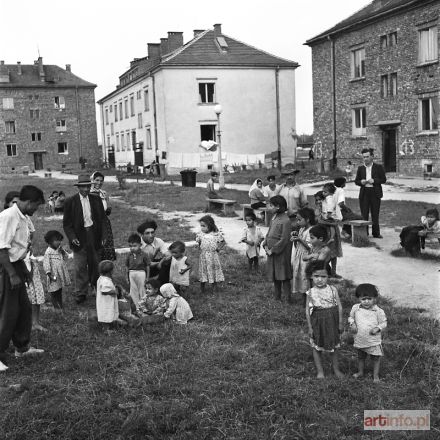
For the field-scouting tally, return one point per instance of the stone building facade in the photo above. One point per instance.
(376, 82)
(47, 118)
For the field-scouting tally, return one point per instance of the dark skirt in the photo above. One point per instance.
(410, 240)
(325, 325)
(107, 252)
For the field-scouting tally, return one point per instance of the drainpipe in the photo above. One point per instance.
(333, 80)
(277, 99)
(156, 144)
(104, 146)
(78, 121)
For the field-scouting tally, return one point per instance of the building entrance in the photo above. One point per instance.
(38, 161)
(389, 149)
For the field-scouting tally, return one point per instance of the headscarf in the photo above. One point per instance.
(255, 186)
(168, 291)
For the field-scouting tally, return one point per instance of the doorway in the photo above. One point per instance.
(389, 149)
(38, 161)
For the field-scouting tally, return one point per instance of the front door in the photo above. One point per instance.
(139, 155)
(38, 161)
(389, 150)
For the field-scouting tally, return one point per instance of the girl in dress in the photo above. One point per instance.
(180, 266)
(177, 307)
(54, 265)
(302, 246)
(278, 248)
(106, 295)
(324, 319)
(210, 241)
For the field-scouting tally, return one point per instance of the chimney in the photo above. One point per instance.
(153, 51)
(164, 46)
(217, 30)
(19, 68)
(197, 32)
(4, 73)
(175, 40)
(41, 68)
(68, 68)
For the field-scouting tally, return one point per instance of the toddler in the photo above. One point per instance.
(138, 268)
(177, 307)
(106, 295)
(253, 237)
(152, 303)
(51, 201)
(324, 319)
(180, 266)
(210, 241)
(55, 268)
(367, 321)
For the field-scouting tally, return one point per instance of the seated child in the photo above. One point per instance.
(180, 266)
(346, 212)
(107, 308)
(152, 303)
(367, 321)
(253, 238)
(177, 307)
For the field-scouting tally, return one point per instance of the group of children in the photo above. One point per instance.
(55, 202)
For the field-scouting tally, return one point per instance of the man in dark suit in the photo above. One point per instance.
(82, 222)
(370, 177)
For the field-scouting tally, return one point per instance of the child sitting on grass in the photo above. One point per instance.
(180, 266)
(177, 307)
(107, 308)
(367, 321)
(253, 237)
(324, 319)
(54, 265)
(153, 303)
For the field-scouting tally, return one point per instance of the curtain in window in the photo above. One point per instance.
(428, 49)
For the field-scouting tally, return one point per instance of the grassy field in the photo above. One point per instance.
(241, 370)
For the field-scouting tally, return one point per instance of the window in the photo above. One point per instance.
(34, 113)
(116, 113)
(428, 49)
(428, 113)
(117, 141)
(207, 132)
(126, 108)
(384, 86)
(139, 94)
(106, 116)
(62, 148)
(59, 102)
(108, 141)
(111, 109)
(133, 139)
(148, 139)
(121, 115)
(10, 127)
(122, 142)
(393, 84)
(358, 63)
(359, 121)
(36, 137)
(383, 41)
(207, 92)
(8, 103)
(127, 138)
(140, 120)
(112, 129)
(392, 39)
(11, 150)
(146, 100)
(61, 125)
(132, 105)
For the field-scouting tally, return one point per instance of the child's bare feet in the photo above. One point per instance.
(358, 375)
(339, 374)
(320, 376)
(39, 328)
(376, 379)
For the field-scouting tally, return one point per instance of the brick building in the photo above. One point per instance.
(376, 82)
(47, 117)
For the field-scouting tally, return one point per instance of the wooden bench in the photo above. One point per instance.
(359, 232)
(246, 207)
(227, 205)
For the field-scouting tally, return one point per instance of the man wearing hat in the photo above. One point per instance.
(293, 193)
(82, 223)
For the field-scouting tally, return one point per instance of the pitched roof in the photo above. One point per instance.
(204, 50)
(30, 77)
(373, 11)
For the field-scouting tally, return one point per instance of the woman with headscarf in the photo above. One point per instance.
(107, 251)
(257, 196)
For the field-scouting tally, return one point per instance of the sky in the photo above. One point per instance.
(100, 38)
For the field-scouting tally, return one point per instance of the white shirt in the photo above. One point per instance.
(87, 212)
(368, 175)
(14, 233)
(156, 250)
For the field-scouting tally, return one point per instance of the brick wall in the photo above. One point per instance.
(413, 82)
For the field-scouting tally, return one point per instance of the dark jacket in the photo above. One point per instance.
(377, 174)
(73, 220)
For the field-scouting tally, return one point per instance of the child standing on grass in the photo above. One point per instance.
(180, 266)
(253, 237)
(177, 307)
(278, 248)
(106, 295)
(138, 268)
(319, 250)
(54, 265)
(367, 321)
(324, 319)
(302, 245)
(210, 241)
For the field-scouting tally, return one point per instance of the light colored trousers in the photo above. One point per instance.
(137, 285)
